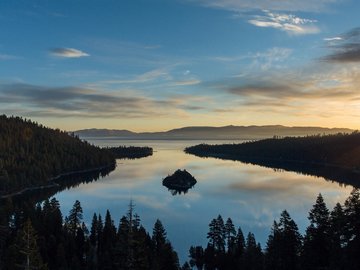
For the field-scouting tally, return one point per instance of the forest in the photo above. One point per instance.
(130, 152)
(335, 157)
(32, 155)
(38, 237)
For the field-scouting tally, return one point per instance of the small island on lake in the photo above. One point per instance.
(179, 182)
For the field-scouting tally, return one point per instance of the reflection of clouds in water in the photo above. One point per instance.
(261, 194)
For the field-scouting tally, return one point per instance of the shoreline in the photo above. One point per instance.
(51, 183)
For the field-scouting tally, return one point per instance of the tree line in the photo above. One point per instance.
(335, 157)
(331, 241)
(40, 238)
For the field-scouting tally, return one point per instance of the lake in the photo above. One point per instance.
(251, 195)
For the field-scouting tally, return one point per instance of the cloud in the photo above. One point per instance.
(285, 22)
(148, 76)
(281, 5)
(186, 82)
(346, 49)
(68, 53)
(80, 102)
(299, 88)
(8, 57)
(316, 95)
(333, 39)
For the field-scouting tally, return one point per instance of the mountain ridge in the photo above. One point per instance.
(214, 133)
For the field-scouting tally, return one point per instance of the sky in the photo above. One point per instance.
(154, 65)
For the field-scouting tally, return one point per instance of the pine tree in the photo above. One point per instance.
(337, 237)
(28, 249)
(352, 212)
(196, 255)
(230, 234)
(316, 249)
(284, 244)
(165, 258)
(216, 234)
(253, 257)
(75, 217)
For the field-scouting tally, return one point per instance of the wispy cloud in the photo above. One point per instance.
(68, 52)
(295, 95)
(8, 57)
(285, 22)
(87, 103)
(186, 82)
(346, 48)
(80, 102)
(333, 39)
(281, 5)
(155, 75)
(338, 86)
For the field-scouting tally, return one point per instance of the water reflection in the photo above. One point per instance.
(178, 190)
(252, 196)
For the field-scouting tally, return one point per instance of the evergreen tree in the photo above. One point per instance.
(352, 212)
(94, 231)
(230, 234)
(216, 234)
(28, 249)
(337, 237)
(284, 244)
(75, 218)
(164, 255)
(196, 255)
(317, 242)
(239, 249)
(253, 258)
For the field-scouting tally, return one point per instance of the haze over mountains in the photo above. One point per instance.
(212, 133)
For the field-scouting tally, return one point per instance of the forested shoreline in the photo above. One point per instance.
(31, 154)
(130, 152)
(35, 157)
(39, 237)
(335, 157)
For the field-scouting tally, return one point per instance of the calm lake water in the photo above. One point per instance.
(251, 195)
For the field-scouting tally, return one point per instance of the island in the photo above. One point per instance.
(179, 182)
(130, 152)
(334, 157)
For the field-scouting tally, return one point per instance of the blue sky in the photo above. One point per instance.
(149, 65)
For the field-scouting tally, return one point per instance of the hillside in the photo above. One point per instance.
(214, 133)
(31, 154)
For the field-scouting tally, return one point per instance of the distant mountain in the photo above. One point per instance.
(213, 133)
(94, 132)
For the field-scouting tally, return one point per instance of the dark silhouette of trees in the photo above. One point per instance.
(334, 157)
(32, 155)
(37, 237)
(317, 243)
(283, 245)
(164, 256)
(130, 152)
(42, 239)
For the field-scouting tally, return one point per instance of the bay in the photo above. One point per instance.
(252, 196)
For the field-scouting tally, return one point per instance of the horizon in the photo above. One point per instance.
(182, 127)
(152, 66)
